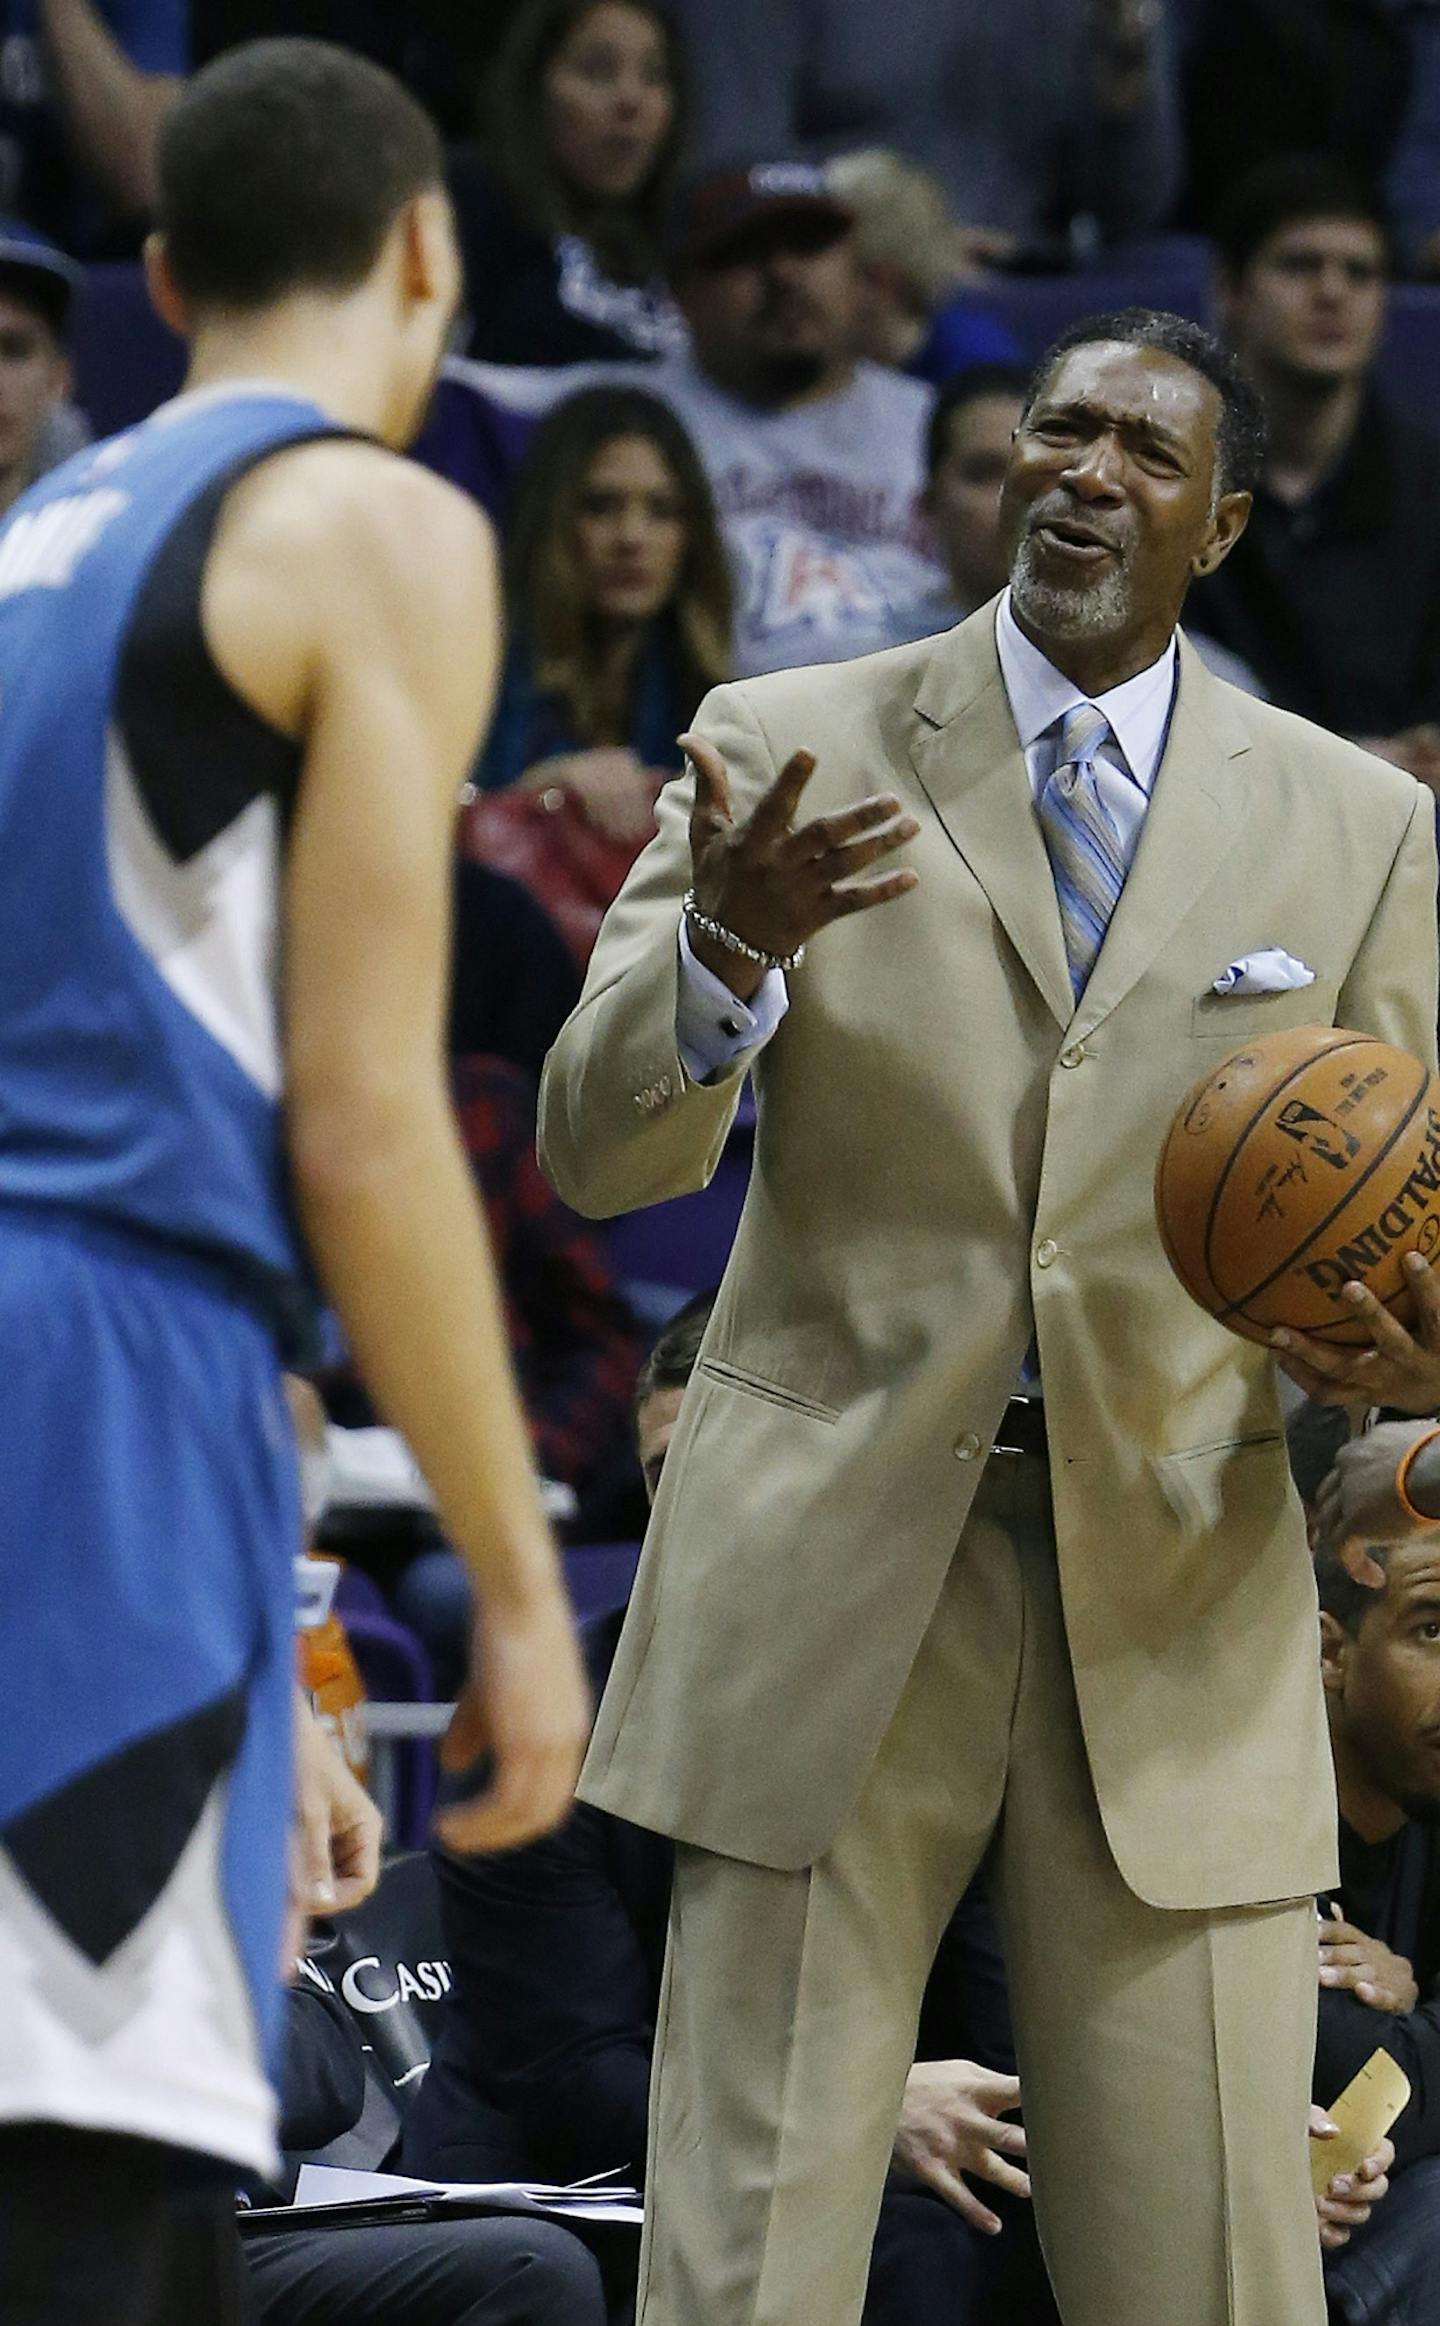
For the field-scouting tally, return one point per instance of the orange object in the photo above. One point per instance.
(325, 1661)
(1305, 1161)
(1417, 1517)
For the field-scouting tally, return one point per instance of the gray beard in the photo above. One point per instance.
(1096, 611)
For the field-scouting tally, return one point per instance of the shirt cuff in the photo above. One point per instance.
(712, 1027)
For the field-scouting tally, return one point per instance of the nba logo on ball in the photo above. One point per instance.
(1303, 1162)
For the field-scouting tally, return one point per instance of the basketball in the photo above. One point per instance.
(1304, 1161)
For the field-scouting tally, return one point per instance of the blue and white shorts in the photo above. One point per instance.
(148, 1520)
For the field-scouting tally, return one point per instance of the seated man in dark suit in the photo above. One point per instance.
(556, 1952)
(1380, 1929)
(497, 2270)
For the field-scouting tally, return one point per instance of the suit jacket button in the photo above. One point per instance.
(1076, 1055)
(1046, 1253)
(967, 1449)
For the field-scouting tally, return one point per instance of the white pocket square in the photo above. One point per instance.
(1271, 971)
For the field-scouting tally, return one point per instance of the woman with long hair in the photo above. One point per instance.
(559, 209)
(618, 595)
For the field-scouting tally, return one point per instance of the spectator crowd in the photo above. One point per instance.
(753, 288)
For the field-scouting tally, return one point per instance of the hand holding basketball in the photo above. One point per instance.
(1297, 1195)
(1399, 1368)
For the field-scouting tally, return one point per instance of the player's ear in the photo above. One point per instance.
(429, 257)
(160, 283)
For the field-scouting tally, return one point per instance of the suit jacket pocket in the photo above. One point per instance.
(773, 1392)
(1206, 1486)
(1245, 1017)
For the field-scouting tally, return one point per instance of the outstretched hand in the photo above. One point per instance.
(773, 885)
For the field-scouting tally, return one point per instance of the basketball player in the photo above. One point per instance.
(245, 655)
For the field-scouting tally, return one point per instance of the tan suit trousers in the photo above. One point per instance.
(1165, 2057)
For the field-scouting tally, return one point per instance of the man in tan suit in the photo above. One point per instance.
(863, 1646)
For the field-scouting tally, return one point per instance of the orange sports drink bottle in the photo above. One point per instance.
(325, 1661)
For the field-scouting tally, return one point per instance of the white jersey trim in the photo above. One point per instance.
(210, 925)
(158, 2041)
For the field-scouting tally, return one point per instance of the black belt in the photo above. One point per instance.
(1022, 1428)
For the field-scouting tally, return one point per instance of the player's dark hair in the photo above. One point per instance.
(283, 166)
(672, 1360)
(1290, 189)
(964, 388)
(1240, 437)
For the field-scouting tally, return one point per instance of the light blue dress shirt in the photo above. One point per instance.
(714, 1029)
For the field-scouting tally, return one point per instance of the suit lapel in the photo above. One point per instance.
(967, 756)
(1193, 820)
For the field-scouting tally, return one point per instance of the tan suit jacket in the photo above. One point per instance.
(946, 1144)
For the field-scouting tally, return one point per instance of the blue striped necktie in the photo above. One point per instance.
(1085, 852)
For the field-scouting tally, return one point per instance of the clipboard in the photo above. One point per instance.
(331, 2197)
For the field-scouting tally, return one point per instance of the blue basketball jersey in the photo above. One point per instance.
(143, 809)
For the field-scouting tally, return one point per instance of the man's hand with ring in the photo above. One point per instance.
(1399, 1368)
(774, 886)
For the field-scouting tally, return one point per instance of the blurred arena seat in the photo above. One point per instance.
(127, 361)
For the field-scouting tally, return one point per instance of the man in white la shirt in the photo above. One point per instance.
(816, 458)
(976, 1534)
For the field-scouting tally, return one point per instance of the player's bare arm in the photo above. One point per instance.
(351, 598)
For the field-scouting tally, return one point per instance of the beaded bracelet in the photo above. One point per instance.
(1402, 1480)
(731, 942)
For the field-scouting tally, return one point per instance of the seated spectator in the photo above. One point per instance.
(506, 2270)
(1332, 595)
(619, 606)
(37, 427)
(556, 1953)
(967, 451)
(1379, 1964)
(1043, 131)
(815, 456)
(85, 87)
(558, 213)
(911, 259)
(1355, 80)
